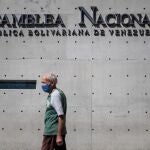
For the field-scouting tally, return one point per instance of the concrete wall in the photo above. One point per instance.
(106, 80)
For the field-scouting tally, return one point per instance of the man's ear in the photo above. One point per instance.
(52, 83)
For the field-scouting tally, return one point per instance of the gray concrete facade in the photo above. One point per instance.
(106, 78)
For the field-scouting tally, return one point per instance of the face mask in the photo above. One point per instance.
(46, 88)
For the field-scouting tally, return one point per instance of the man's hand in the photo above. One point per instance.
(59, 140)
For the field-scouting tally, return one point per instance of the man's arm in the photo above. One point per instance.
(61, 123)
(56, 103)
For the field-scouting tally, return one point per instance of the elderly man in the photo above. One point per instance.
(55, 115)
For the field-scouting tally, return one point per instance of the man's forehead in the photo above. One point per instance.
(45, 78)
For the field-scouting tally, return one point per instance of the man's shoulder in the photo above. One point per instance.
(55, 92)
(58, 92)
(61, 93)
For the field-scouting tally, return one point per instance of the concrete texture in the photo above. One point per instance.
(106, 81)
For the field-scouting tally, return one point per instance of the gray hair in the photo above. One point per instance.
(52, 78)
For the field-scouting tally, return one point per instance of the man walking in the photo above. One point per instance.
(55, 115)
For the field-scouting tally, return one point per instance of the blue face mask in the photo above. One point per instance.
(46, 88)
